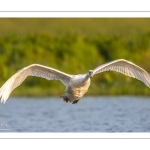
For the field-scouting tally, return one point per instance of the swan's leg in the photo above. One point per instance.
(74, 102)
(64, 98)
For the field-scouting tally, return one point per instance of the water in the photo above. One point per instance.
(91, 114)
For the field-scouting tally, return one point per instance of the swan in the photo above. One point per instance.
(76, 85)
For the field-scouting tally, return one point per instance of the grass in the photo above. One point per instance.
(79, 26)
(74, 45)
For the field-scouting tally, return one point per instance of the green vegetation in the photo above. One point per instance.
(74, 52)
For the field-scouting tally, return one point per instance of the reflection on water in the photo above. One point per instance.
(91, 114)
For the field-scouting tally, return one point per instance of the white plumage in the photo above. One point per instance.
(76, 85)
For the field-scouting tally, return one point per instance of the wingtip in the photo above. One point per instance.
(3, 99)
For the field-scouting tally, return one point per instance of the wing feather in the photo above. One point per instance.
(127, 68)
(32, 70)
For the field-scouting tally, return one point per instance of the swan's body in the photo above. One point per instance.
(76, 85)
(76, 88)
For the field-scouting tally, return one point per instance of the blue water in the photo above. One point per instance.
(91, 114)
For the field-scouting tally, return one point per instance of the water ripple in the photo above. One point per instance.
(91, 114)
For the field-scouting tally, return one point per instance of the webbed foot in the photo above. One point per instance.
(64, 98)
(74, 102)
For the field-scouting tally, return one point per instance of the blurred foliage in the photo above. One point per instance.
(75, 54)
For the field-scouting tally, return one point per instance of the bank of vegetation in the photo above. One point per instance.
(74, 46)
(74, 54)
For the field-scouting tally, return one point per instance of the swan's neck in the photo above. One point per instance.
(88, 75)
(86, 78)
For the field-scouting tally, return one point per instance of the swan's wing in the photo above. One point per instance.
(126, 67)
(32, 70)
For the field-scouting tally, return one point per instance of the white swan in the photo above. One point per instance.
(76, 85)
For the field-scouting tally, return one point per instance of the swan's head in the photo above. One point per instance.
(90, 73)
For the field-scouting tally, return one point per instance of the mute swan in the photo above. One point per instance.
(76, 85)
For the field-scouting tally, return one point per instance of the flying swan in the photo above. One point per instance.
(76, 85)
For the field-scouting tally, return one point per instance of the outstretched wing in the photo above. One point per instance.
(32, 70)
(126, 67)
